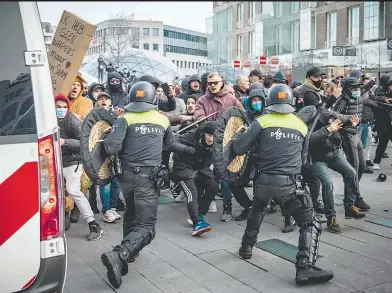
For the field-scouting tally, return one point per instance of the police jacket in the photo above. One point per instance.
(70, 131)
(349, 106)
(139, 138)
(187, 165)
(279, 139)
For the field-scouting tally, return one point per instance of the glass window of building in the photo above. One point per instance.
(252, 9)
(155, 32)
(240, 15)
(279, 39)
(305, 30)
(240, 45)
(146, 32)
(371, 12)
(353, 26)
(279, 9)
(294, 33)
(177, 63)
(331, 29)
(180, 64)
(155, 47)
(146, 46)
(229, 49)
(229, 19)
(251, 44)
(294, 6)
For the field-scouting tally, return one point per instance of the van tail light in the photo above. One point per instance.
(51, 199)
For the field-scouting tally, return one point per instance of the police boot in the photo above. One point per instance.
(310, 274)
(116, 264)
(245, 251)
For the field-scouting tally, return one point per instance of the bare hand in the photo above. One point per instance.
(354, 120)
(62, 141)
(118, 111)
(337, 92)
(335, 126)
(184, 118)
(388, 100)
(170, 92)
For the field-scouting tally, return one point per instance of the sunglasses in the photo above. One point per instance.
(115, 81)
(213, 82)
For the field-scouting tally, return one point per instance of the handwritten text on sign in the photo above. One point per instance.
(68, 48)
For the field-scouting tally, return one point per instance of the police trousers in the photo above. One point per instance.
(140, 216)
(283, 188)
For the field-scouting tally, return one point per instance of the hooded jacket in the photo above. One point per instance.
(219, 102)
(189, 91)
(185, 165)
(91, 88)
(240, 93)
(310, 94)
(280, 76)
(81, 105)
(119, 96)
(249, 112)
(70, 130)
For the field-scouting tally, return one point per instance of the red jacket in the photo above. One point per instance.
(210, 103)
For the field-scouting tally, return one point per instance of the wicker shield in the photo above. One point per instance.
(236, 164)
(96, 162)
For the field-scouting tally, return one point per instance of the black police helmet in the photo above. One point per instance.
(382, 177)
(280, 99)
(142, 97)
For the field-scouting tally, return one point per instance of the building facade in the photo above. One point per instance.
(186, 49)
(297, 35)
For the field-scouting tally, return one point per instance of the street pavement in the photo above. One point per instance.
(360, 257)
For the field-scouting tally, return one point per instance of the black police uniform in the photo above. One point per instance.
(138, 136)
(279, 136)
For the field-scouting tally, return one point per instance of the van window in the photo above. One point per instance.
(17, 114)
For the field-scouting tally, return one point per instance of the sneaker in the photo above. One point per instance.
(376, 166)
(333, 225)
(75, 214)
(227, 215)
(244, 215)
(109, 217)
(120, 206)
(212, 208)
(67, 221)
(250, 184)
(369, 163)
(95, 231)
(245, 251)
(385, 156)
(319, 207)
(362, 205)
(353, 212)
(311, 274)
(289, 224)
(200, 228)
(114, 265)
(367, 170)
(116, 215)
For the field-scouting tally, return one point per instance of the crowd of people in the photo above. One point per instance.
(284, 134)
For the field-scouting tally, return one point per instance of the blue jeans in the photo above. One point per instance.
(363, 133)
(339, 164)
(109, 195)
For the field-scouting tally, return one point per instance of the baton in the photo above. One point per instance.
(194, 123)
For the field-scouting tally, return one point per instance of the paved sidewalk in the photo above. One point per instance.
(360, 257)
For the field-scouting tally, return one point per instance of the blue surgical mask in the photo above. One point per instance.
(258, 106)
(61, 112)
(355, 94)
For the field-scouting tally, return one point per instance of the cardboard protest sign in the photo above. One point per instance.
(66, 53)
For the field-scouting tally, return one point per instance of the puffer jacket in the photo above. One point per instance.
(189, 91)
(70, 131)
(210, 103)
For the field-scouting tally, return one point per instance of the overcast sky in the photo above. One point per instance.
(188, 15)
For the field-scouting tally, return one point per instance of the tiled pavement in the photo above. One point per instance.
(360, 257)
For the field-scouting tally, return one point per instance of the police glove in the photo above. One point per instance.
(190, 150)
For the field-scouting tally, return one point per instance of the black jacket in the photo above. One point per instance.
(310, 96)
(116, 92)
(70, 131)
(239, 93)
(187, 165)
(139, 138)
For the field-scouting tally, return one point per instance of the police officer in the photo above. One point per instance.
(138, 136)
(279, 136)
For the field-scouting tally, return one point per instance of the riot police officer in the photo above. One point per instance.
(138, 136)
(279, 136)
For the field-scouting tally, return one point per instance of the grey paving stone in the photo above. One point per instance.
(165, 249)
(382, 288)
(92, 284)
(232, 287)
(202, 290)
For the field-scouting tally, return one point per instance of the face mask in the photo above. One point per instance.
(317, 83)
(258, 106)
(95, 96)
(355, 94)
(61, 112)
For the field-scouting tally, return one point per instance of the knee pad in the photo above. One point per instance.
(309, 239)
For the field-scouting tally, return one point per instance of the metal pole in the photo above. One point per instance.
(194, 123)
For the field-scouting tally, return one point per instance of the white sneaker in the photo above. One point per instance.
(109, 217)
(376, 166)
(180, 197)
(212, 208)
(116, 215)
(190, 222)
